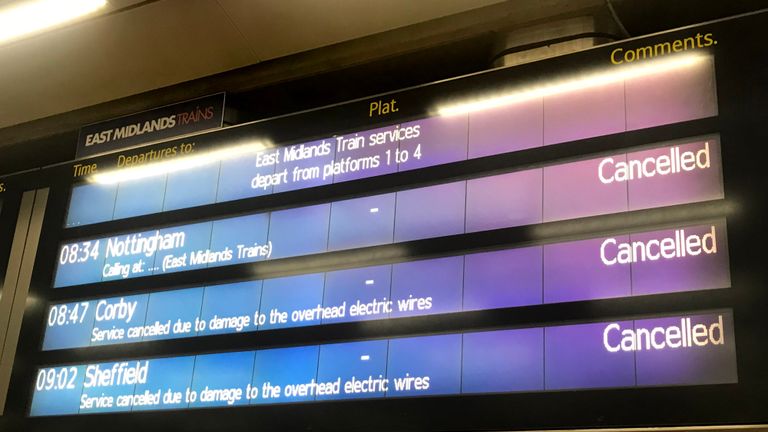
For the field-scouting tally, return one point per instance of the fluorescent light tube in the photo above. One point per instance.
(24, 18)
(607, 76)
(179, 163)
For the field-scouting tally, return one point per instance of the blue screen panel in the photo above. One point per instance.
(140, 197)
(108, 387)
(166, 384)
(91, 203)
(58, 390)
(432, 211)
(244, 178)
(231, 308)
(222, 379)
(362, 222)
(193, 252)
(241, 239)
(427, 287)
(353, 370)
(292, 301)
(118, 319)
(190, 188)
(303, 165)
(282, 374)
(363, 291)
(83, 262)
(425, 365)
(299, 231)
(128, 255)
(172, 314)
(69, 325)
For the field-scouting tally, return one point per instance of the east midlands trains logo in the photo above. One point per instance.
(158, 124)
(144, 127)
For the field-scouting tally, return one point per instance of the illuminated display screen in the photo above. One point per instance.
(682, 91)
(688, 349)
(648, 178)
(687, 258)
(569, 239)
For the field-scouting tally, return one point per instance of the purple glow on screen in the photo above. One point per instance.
(638, 102)
(684, 258)
(364, 285)
(583, 113)
(302, 170)
(427, 287)
(707, 269)
(362, 222)
(300, 231)
(366, 151)
(436, 357)
(432, 211)
(674, 96)
(575, 358)
(575, 190)
(503, 278)
(506, 129)
(706, 355)
(703, 180)
(503, 361)
(505, 200)
(574, 271)
(442, 140)
(685, 349)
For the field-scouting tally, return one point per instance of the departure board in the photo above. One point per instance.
(573, 238)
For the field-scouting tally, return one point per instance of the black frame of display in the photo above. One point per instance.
(742, 94)
(10, 200)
